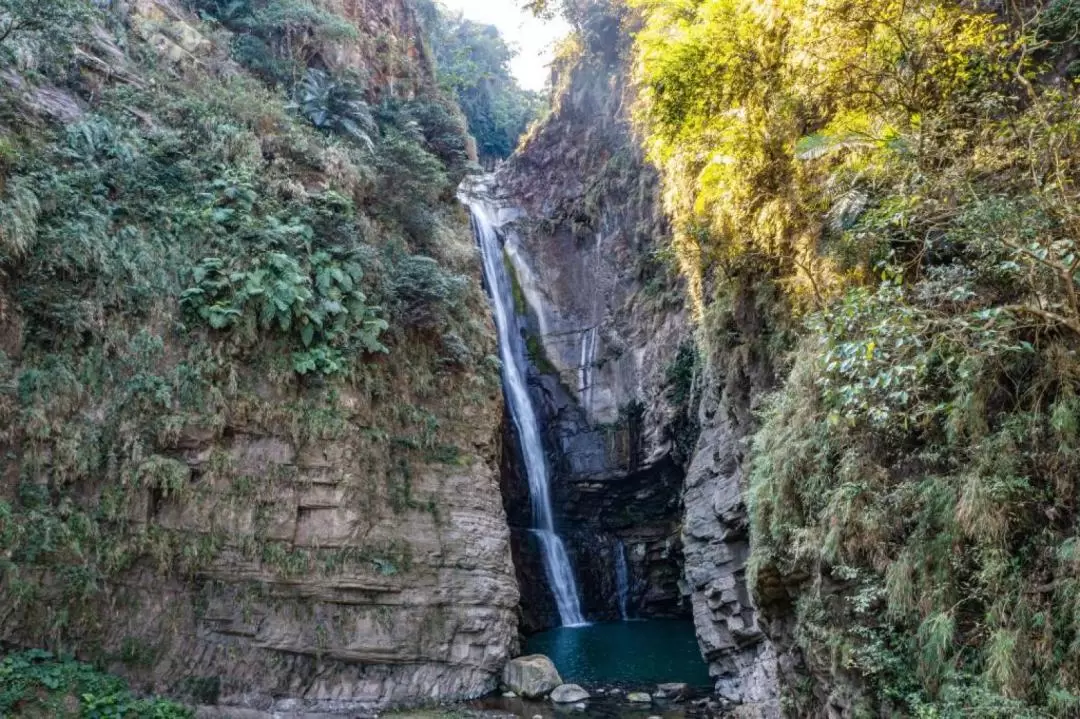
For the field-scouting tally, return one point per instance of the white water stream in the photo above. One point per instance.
(622, 579)
(560, 575)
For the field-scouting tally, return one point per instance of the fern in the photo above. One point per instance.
(336, 106)
(18, 220)
(818, 145)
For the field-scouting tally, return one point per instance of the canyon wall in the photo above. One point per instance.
(651, 437)
(200, 509)
(604, 323)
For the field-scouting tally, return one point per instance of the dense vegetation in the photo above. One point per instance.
(896, 183)
(37, 684)
(205, 223)
(473, 62)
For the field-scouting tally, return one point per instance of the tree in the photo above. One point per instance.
(474, 64)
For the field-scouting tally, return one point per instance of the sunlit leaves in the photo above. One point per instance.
(317, 304)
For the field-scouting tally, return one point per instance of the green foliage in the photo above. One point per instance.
(318, 305)
(336, 105)
(277, 39)
(18, 221)
(428, 296)
(51, 28)
(411, 179)
(474, 65)
(906, 172)
(680, 376)
(35, 683)
(194, 254)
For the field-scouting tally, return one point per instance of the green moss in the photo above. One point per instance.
(534, 347)
(521, 305)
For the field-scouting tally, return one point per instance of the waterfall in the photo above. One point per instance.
(585, 370)
(560, 575)
(622, 578)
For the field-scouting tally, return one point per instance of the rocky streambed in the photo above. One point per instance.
(533, 687)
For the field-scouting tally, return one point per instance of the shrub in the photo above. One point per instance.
(36, 681)
(337, 106)
(318, 306)
(277, 39)
(411, 181)
(427, 295)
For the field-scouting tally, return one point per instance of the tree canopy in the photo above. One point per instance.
(474, 64)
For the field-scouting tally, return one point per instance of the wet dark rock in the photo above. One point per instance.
(676, 691)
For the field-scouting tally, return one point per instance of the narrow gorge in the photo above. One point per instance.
(733, 375)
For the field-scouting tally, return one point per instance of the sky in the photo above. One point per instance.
(533, 38)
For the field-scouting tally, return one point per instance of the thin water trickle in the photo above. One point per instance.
(622, 579)
(560, 574)
(585, 371)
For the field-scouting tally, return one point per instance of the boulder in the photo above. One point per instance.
(675, 691)
(568, 694)
(639, 697)
(532, 676)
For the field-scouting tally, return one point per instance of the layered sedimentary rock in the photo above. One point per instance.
(281, 543)
(715, 533)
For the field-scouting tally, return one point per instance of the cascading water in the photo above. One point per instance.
(556, 562)
(585, 371)
(622, 579)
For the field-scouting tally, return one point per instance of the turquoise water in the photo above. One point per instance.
(625, 653)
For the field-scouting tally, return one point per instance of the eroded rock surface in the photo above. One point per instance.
(604, 323)
(532, 676)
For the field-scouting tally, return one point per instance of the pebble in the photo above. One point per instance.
(509, 695)
(580, 706)
(537, 716)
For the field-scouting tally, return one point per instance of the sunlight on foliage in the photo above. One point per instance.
(905, 172)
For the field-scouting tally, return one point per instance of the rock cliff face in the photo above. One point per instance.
(281, 543)
(715, 527)
(604, 327)
(650, 439)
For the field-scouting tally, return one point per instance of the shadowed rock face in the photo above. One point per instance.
(603, 326)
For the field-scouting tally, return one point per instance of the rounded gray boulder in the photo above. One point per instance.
(533, 676)
(568, 694)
